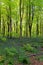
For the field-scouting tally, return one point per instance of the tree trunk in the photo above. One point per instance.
(26, 30)
(0, 18)
(0, 22)
(21, 28)
(21, 15)
(27, 20)
(3, 29)
(37, 28)
(8, 29)
(30, 29)
(40, 26)
(31, 12)
(16, 26)
(10, 20)
(20, 20)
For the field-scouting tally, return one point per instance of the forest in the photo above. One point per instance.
(21, 32)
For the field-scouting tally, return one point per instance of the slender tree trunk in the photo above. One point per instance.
(10, 20)
(8, 25)
(30, 29)
(29, 18)
(16, 26)
(27, 21)
(31, 7)
(21, 16)
(37, 28)
(8, 29)
(0, 18)
(3, 29)
(26, 30)
(40, 27)
(0, 22)
(20, 19)
(21, 27)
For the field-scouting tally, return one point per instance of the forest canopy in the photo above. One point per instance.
(21, 18)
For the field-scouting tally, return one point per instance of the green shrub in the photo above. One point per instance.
(28, 47)
(15, 34)
(21, 54)
(2, 59)
(40, 58)
(20, 58)
(1, 63)
(10, 51)
(3, 39)
(24, 59)
(10, 62)
(36, 45)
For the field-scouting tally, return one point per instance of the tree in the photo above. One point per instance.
(0, 16)
(31, 12)
(27, 20)
(21, 15)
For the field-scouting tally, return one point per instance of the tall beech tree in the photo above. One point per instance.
(31, 13)
(0, 16)
(26, 20)
(21, 15)
(9, 18)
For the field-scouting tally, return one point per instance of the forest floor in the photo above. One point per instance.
(17, 43)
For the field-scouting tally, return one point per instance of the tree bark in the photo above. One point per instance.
(30, 18)
(20, 19)
(0, 18)
(21, 16)
(3, 29)
(8, 29)
(16, 26)
(10, 20)
(37, 28)
(27, 20)
(31, 7)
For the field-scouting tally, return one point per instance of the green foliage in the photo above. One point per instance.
(3, 39)
(36, 45)
(28, 47)
(10, 61)
(21, 57)
(1, 63)
(10, 51)
(15, 34)
(21, 54)
(40, 58)
(10, 54)
(2, 59)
